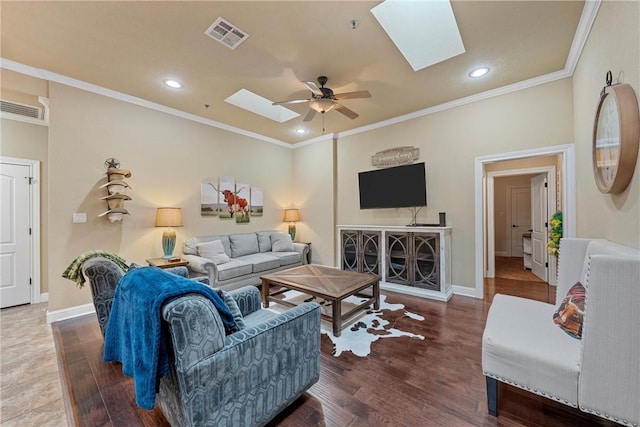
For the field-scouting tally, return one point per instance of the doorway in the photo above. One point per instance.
(484, 209)
(20, 231)
(541, 204)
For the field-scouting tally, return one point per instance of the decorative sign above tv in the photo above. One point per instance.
(395, 157)
(396, 187)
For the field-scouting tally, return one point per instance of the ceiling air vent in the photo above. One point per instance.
(21, 109)
(226, 33)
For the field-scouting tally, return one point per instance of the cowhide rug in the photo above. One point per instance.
(363, 329)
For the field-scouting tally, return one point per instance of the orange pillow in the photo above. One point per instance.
(570, 314)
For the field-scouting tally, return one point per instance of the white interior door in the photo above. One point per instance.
(15, 257)
(520, 200)
(539, 220)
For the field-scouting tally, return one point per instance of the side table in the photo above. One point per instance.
(164, 263)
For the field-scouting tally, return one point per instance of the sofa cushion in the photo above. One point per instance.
(264, 240)
(233, 268)
(281, 242)
(243, 244)
(214, 251)
(531, 352)
(570, 314)
(261, 262)
(233, 308)
(287, 258)
(190, 245)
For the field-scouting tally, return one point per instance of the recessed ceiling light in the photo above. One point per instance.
(301, 131)
(173, 83)
(479, 72)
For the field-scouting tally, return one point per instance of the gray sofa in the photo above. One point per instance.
(250, 255)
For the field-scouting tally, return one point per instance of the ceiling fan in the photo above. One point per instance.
(323, 99)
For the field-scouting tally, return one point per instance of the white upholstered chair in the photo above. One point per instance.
(600, 373)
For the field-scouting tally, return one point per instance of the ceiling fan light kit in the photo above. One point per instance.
(322, 105)
(323, 99)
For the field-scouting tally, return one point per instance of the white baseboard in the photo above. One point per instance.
(464, 291)
(497, 253)
(68, 313)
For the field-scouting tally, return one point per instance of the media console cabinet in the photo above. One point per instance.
(411, 260)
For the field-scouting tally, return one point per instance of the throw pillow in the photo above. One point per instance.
(213, 250)
(570, 314)
(281, 242)
(133, 266)
(233, 308)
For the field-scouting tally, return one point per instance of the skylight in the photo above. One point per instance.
(257, 104)
(425, 32)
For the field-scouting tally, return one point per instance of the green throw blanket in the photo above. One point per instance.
(74, 271)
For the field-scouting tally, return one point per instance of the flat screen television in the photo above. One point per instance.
(396, 187)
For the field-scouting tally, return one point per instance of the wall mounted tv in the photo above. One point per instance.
(396, 187)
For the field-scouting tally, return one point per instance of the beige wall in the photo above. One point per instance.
(546, 115)
(613, 44)
(168, 156)
(22, 88)
(313, 189)
(530, 162)
(29, 141)
(449, 142)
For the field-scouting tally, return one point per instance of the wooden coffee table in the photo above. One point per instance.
(331, 284)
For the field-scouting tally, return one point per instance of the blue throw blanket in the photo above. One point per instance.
(134, 334)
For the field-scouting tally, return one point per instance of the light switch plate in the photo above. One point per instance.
(79, 217)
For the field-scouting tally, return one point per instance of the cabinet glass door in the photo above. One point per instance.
(398, 258)
(427, 261)
(350, 250)
(370, 253)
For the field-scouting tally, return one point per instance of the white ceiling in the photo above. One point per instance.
(131, 47)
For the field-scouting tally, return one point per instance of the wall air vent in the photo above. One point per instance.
(21, 109)
(226, 33)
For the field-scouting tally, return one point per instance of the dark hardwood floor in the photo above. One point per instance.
(403, 382)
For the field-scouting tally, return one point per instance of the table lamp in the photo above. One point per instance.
(168, 217)
(291, 216)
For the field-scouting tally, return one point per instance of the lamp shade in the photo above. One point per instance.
(291, 215)
(169, 217)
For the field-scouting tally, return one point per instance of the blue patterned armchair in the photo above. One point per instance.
(103, 276)
(243, 379)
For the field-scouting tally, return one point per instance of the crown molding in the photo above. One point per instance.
(589, 13)
(525, 84)
(587, 19)
(90, 87)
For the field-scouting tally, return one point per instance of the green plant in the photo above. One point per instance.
(555, 234)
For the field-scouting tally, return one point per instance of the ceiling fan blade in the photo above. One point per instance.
(313, 88)
(347, 112)
(291, 101)
(352, 95)
(309, 115)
